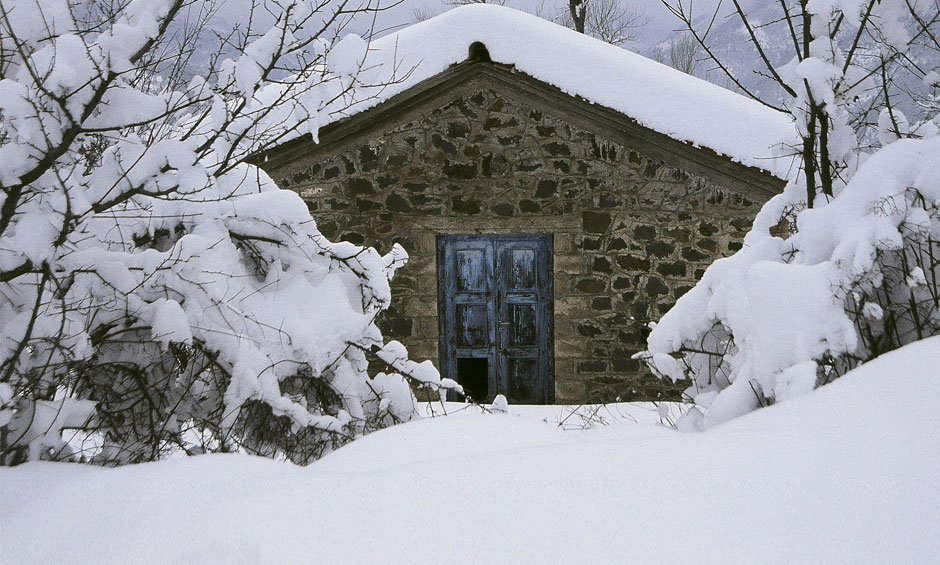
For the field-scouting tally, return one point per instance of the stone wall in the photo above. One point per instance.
(632, 233)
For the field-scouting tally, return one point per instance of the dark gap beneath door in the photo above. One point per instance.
(473, 376)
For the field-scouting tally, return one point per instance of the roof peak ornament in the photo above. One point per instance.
(478, 53)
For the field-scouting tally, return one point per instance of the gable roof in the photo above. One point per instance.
(656, 96)
(466, 78)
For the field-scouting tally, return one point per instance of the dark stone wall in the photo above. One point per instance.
(631, 233)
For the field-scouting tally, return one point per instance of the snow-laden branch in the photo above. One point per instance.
(153, 284)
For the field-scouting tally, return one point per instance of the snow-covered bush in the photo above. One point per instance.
(843, 265)
(156, 291)
(856, 278)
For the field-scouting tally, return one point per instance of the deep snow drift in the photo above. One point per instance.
(847, 474)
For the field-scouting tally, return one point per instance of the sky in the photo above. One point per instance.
(394, 15)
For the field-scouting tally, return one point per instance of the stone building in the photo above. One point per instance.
(545, 228)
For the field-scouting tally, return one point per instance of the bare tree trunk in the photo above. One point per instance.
(809, 140)
(578, 10)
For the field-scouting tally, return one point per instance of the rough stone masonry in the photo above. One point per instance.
(632, 231)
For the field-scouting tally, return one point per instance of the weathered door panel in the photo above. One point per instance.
(466, 289)
(495, 296)
(523, 300)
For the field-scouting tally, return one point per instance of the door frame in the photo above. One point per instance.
(545, 384)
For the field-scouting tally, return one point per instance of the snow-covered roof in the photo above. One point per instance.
(656, 96)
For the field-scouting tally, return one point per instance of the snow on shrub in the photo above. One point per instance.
(156, 291)
(854, 279)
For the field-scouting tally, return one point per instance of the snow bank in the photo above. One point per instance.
(845, 475)
(657, 96)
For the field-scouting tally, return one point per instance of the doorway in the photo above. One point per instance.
(495, 311)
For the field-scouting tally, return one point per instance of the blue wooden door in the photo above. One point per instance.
(495, 306)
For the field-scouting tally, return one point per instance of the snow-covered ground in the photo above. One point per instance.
(847, 474)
